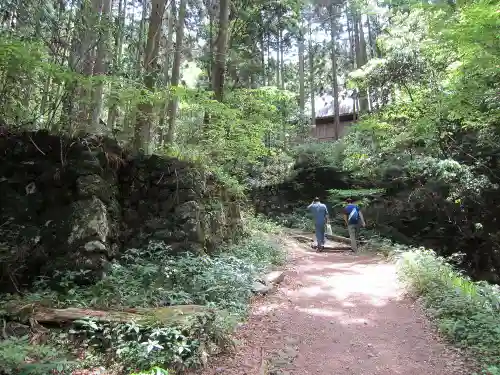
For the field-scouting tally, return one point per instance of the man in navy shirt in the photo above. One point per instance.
(353, 219)
(320, 213)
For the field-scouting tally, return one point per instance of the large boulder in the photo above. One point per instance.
(88, 222)
(188, 215)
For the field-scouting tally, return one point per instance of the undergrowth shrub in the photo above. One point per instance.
(259, 224)
(467, 312)
(142, 346)
(153, 371)
(296, 220)
(152, 278)
(18, 356)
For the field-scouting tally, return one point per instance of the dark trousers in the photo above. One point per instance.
(320, 233)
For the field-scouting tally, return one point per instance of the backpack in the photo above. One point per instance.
(353, 216)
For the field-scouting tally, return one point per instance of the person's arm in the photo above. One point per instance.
(309, 207)
(362, 218)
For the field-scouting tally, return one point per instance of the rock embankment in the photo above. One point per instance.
(75, 204)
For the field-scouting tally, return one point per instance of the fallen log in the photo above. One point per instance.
(274, 277)
(337, 238)
(332, 237)
(165, 315)
(302, 238)
(336, 249)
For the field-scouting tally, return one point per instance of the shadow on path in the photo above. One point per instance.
(338, 314)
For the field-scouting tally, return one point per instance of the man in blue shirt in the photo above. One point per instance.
(353, 219)
(320, 213)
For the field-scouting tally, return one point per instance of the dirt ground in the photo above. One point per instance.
(337, 314)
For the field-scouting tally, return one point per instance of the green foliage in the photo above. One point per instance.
(250, 128)
(319, 155)
(467, 312)
(18, 356)
(360, 196)
(433, 145)
(296, 220)
(237, 137)
(152, 277)
(141, 346)
(258, 224)
(153, 371)
(274, 169)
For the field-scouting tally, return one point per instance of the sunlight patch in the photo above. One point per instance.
(262, 310)
(319, 312)
(354, 321)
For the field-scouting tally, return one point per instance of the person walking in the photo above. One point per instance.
(353, 218)
(320, 213)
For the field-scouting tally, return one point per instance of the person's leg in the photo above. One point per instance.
(320, 235)
(352, 235)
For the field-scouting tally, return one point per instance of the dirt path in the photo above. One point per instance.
(337, 314)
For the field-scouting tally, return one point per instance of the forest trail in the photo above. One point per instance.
(337, 314)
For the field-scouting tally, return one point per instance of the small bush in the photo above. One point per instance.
(153, 371)
(152, 277)
(467, 312)
(302, 221)
(259, 224)
(142, 346)
(20, 357)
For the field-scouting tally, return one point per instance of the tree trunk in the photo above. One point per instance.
(362, 41)
(117, 62)
(302, 95)
(169, 43)
(68, 115)
(211, 47)
(282, 64)
(263, 58)
(144, 122)
(100, 68)
(376, 24)
(166, 67)
(278, 38)
(357, 49)
(270, 73)
(140, 42)
(220, 54)
(363, 98)
(311, 78)
(336, 118)
(91, 18)
(211, 21)
(22, 26)
(348, 16)
(371, 41)
(176, 70)
(360, 48)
